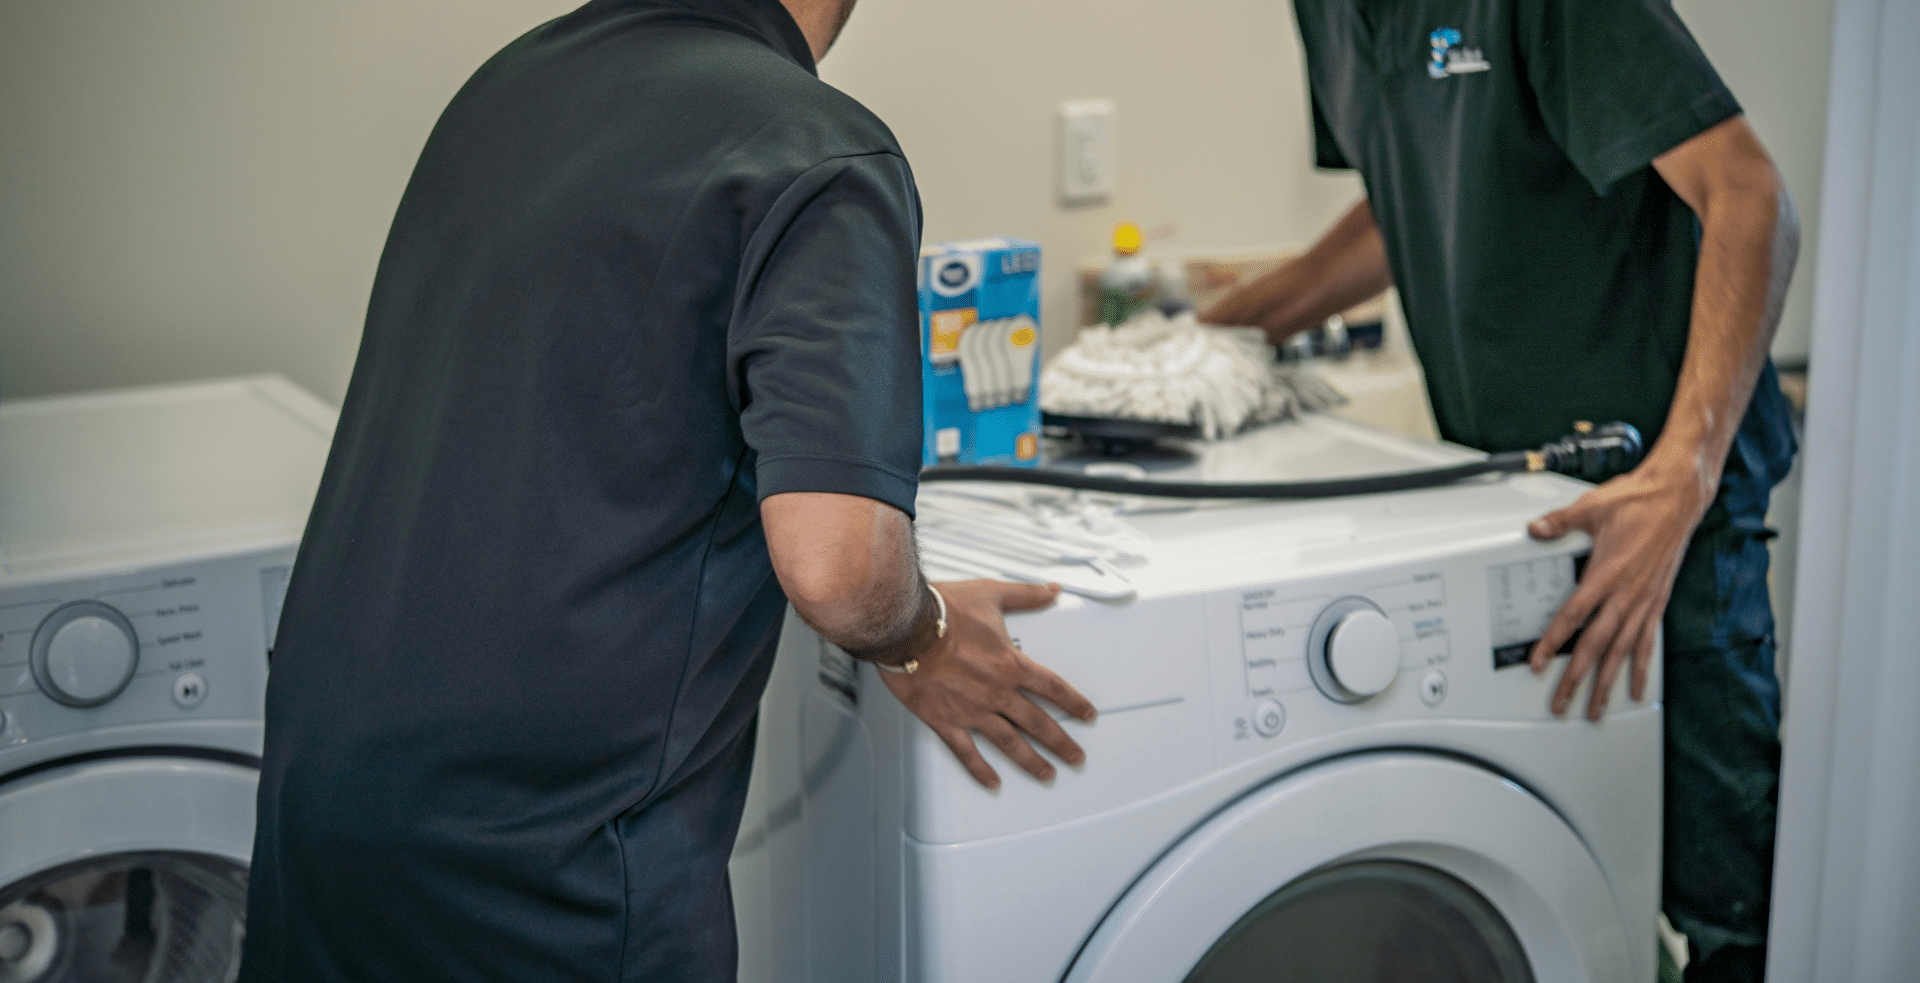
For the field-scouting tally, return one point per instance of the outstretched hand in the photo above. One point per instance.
(1640, 523)
(975, 680)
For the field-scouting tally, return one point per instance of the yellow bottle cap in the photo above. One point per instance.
(1126, 238)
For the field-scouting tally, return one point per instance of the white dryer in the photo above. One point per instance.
(145, 541)
(1319, 757)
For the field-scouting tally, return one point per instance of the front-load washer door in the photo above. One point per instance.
(1381, 867)
(128, 869)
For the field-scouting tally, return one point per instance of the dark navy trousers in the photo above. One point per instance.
(1722, 713)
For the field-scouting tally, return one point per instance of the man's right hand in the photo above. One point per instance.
(975, 680)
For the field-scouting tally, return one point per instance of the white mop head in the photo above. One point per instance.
(1176, 371)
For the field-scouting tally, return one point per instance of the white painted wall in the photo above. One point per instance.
(202, 187)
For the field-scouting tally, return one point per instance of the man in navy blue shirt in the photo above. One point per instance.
(641, 367)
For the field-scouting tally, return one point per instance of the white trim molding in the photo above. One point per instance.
(1847, 879)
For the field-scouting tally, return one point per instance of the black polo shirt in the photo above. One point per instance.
(1546, 269)
(648, 271)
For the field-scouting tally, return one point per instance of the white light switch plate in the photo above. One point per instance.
(1087, 158)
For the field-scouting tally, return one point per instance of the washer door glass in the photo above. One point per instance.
(1369, 922)
(140, 917)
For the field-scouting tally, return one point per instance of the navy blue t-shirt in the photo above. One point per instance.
(648, 271)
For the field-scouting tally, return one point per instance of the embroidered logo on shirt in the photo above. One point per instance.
(1449, 58)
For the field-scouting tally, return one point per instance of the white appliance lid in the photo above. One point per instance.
(1215, 544)
(103, 479)
(1314, 447)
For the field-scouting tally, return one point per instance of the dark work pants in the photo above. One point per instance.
(1722, 712)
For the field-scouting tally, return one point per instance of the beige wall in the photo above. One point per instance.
(1774, 54)
(197, 188)
(1211, 121)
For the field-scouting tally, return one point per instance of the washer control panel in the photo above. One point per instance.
(1292, 660)
(174, 643)
(1296, 646)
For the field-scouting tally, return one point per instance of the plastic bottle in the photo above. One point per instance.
(1170, 289)
(1126, 285)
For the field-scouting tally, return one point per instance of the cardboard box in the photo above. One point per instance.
(980, 342)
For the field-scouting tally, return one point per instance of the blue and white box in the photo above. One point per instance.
(980, 338)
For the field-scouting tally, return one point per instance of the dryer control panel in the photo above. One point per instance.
(145, 543)
(169, 643)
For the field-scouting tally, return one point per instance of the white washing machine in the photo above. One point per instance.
(1250, 808)
(145, 540)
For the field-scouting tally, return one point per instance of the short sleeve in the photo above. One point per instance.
(1326, 152)
(824, 348)
(1618, 82)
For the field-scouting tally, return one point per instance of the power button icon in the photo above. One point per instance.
(1268, 718)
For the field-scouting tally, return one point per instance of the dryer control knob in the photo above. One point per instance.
(84, 653)
(1354, 651)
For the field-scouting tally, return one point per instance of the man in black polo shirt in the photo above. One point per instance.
(640, 366)
(1583, 227)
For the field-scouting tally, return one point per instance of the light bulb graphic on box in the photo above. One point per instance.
(996, 361)
(979, 312)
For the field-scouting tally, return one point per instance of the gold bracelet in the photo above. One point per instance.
(912, 666)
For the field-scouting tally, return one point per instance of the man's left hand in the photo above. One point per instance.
(1640, 523)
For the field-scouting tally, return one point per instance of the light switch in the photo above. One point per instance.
(1087, 159)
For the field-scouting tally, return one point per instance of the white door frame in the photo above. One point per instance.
(1847, 875)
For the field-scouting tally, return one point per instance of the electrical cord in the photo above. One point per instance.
(1591, 453)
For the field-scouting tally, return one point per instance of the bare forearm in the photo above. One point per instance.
(1346, 266)
(1750, 240)
(850, 570)
(1738, 295)
(896, 626)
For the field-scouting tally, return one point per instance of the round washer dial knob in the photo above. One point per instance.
(84, 653)
(1354, 651)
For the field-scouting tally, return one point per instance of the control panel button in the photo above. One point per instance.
(1433, 688)
(84, 653)
(190, 691)
(1268, 718)
(1354, 650)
